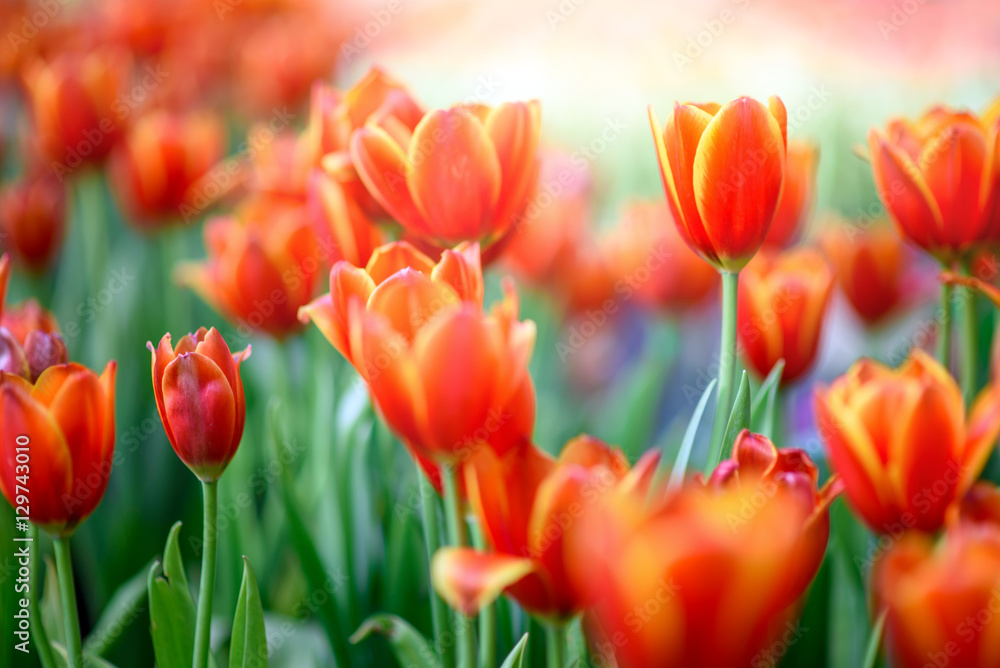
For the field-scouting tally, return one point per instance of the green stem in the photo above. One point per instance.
(555, 645)
(727, 367)
(487, 616)
(969, 342)
(67, 591)
(944, 328)
(37, 628)
(203, 629)
(93, 225)
(464, 634)
(177, 306)
(432, 539)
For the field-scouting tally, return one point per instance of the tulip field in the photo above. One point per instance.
(453, 334)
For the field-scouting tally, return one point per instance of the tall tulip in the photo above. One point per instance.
(463, 174)
(33, 218)
(901, 441)
(782, 306)
(797, 195)
(942, 598)
(709, 574)
(723, 168)
(199, 395)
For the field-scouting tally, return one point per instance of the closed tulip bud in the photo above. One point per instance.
(33, 218)
(76, 105)
(796, 196)
(61, 432)
(706, 575)
(154, 170)
(445, 376)
(199, 395)
(873, 269)
(258, 273)
(942, 597)
(723, 168)
(901, 441)
(939, 177)
(463, 174)
(527, 504)
(44, 349)
(782, 306)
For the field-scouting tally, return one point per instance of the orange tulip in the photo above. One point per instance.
(528, 504)
(654, 264)
(901, 441)
(199, 395)
(943, 596)
(708, 575)
(723, 169)
(65, 424)
(782, 305)
(796, 196)
(872, 269)
(463, 174)
(77, 109)
(939, 177)
(33, 219)
(161, 159)
(335, 115)
(339, 221)
(444, 375)
(258, 273)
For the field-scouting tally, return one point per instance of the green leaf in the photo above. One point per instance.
(248, 646)
(52, 617)
(684, 454)
(89, 660)
(739, 419)
(762, 408)
(171, 608)
(410, 648)
(516, 657)
(875, 640)
(119, 613)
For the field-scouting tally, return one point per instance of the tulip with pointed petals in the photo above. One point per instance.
(199, 395)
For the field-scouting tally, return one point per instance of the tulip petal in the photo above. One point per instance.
(738, 173)
(396, 256)
(456, 177)
(461, 269)
(410, 300)
(513, 128)
(384, 169)
(952, 164)
(981, 434)
(469, 580)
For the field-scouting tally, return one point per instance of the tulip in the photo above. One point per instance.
(655, 265)
(199, 394)
(782, 305)
(76, 107)
(526, 503)
(258, 273)
(940, 180)
(66, 422)
(942, 598)
(723, 169)
(158, 164)
(901, 441)
(796, 196)
(33, 218)
(339, 221)
(444, 375)
(708, 574)
(26, 317)
(872, 269)
(463, 174)
(30, 341)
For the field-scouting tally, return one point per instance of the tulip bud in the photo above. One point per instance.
(12, 357)
(64, 426)
(199, 395)
(33, 218)
(44, 349)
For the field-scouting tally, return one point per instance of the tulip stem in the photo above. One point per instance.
(37, 630)
(488, 615)
(727, 368)
(432, 539)
(944, 327)
(465, 635)
(67, 591)
(555, 645)
(969, 342)
(203, 629)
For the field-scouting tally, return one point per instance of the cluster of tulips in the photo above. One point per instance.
(402, 206)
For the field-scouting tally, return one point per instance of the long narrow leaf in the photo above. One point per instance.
(739, 418)
(516, 657)
(684, 454)
(410, 648)
(248, 646)
(875, 640)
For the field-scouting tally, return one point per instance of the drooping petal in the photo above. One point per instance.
(469, 580)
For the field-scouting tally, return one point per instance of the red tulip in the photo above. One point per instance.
(199, 395)
(57, 439)
(723, 168)
(33, 218)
